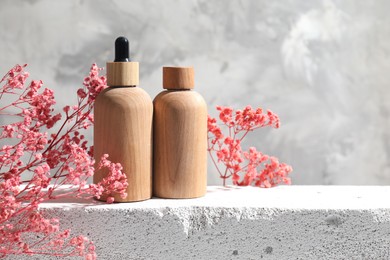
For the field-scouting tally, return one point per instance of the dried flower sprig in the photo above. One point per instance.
(35, 164)
(244, 167)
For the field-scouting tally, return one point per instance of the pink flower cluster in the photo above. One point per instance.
(114, 182)
(244, 167)
(36, 163)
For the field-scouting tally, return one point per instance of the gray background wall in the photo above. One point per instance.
(323, 66)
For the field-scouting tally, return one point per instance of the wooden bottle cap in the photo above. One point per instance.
(178, 77)
(122, 74)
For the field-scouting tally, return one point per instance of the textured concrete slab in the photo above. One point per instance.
(287, 222)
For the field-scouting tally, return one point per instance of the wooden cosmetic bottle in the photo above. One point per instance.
(180, 137)
(123, 125)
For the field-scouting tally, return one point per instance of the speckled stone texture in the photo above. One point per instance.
(287, 222)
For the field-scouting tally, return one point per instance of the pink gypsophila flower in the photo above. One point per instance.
(244, 167)
(51, 159)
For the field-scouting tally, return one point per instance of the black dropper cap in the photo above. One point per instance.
(122, 72)
(122, 49)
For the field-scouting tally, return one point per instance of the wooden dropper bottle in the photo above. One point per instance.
(180, 137)
(123, 126)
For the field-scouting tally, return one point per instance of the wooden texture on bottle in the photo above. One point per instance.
(123, 129)
(180, 145)
(178, 78)
(122, 73)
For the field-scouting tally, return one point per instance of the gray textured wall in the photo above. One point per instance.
(323, 66)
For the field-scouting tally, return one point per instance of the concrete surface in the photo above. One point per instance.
(287, 222)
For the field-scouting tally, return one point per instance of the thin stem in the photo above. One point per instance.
(215, 164)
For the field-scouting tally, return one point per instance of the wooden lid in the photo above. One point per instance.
(122, 74)
(178, 77)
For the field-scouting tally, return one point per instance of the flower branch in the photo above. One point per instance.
(44, 162)
(244, 167)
